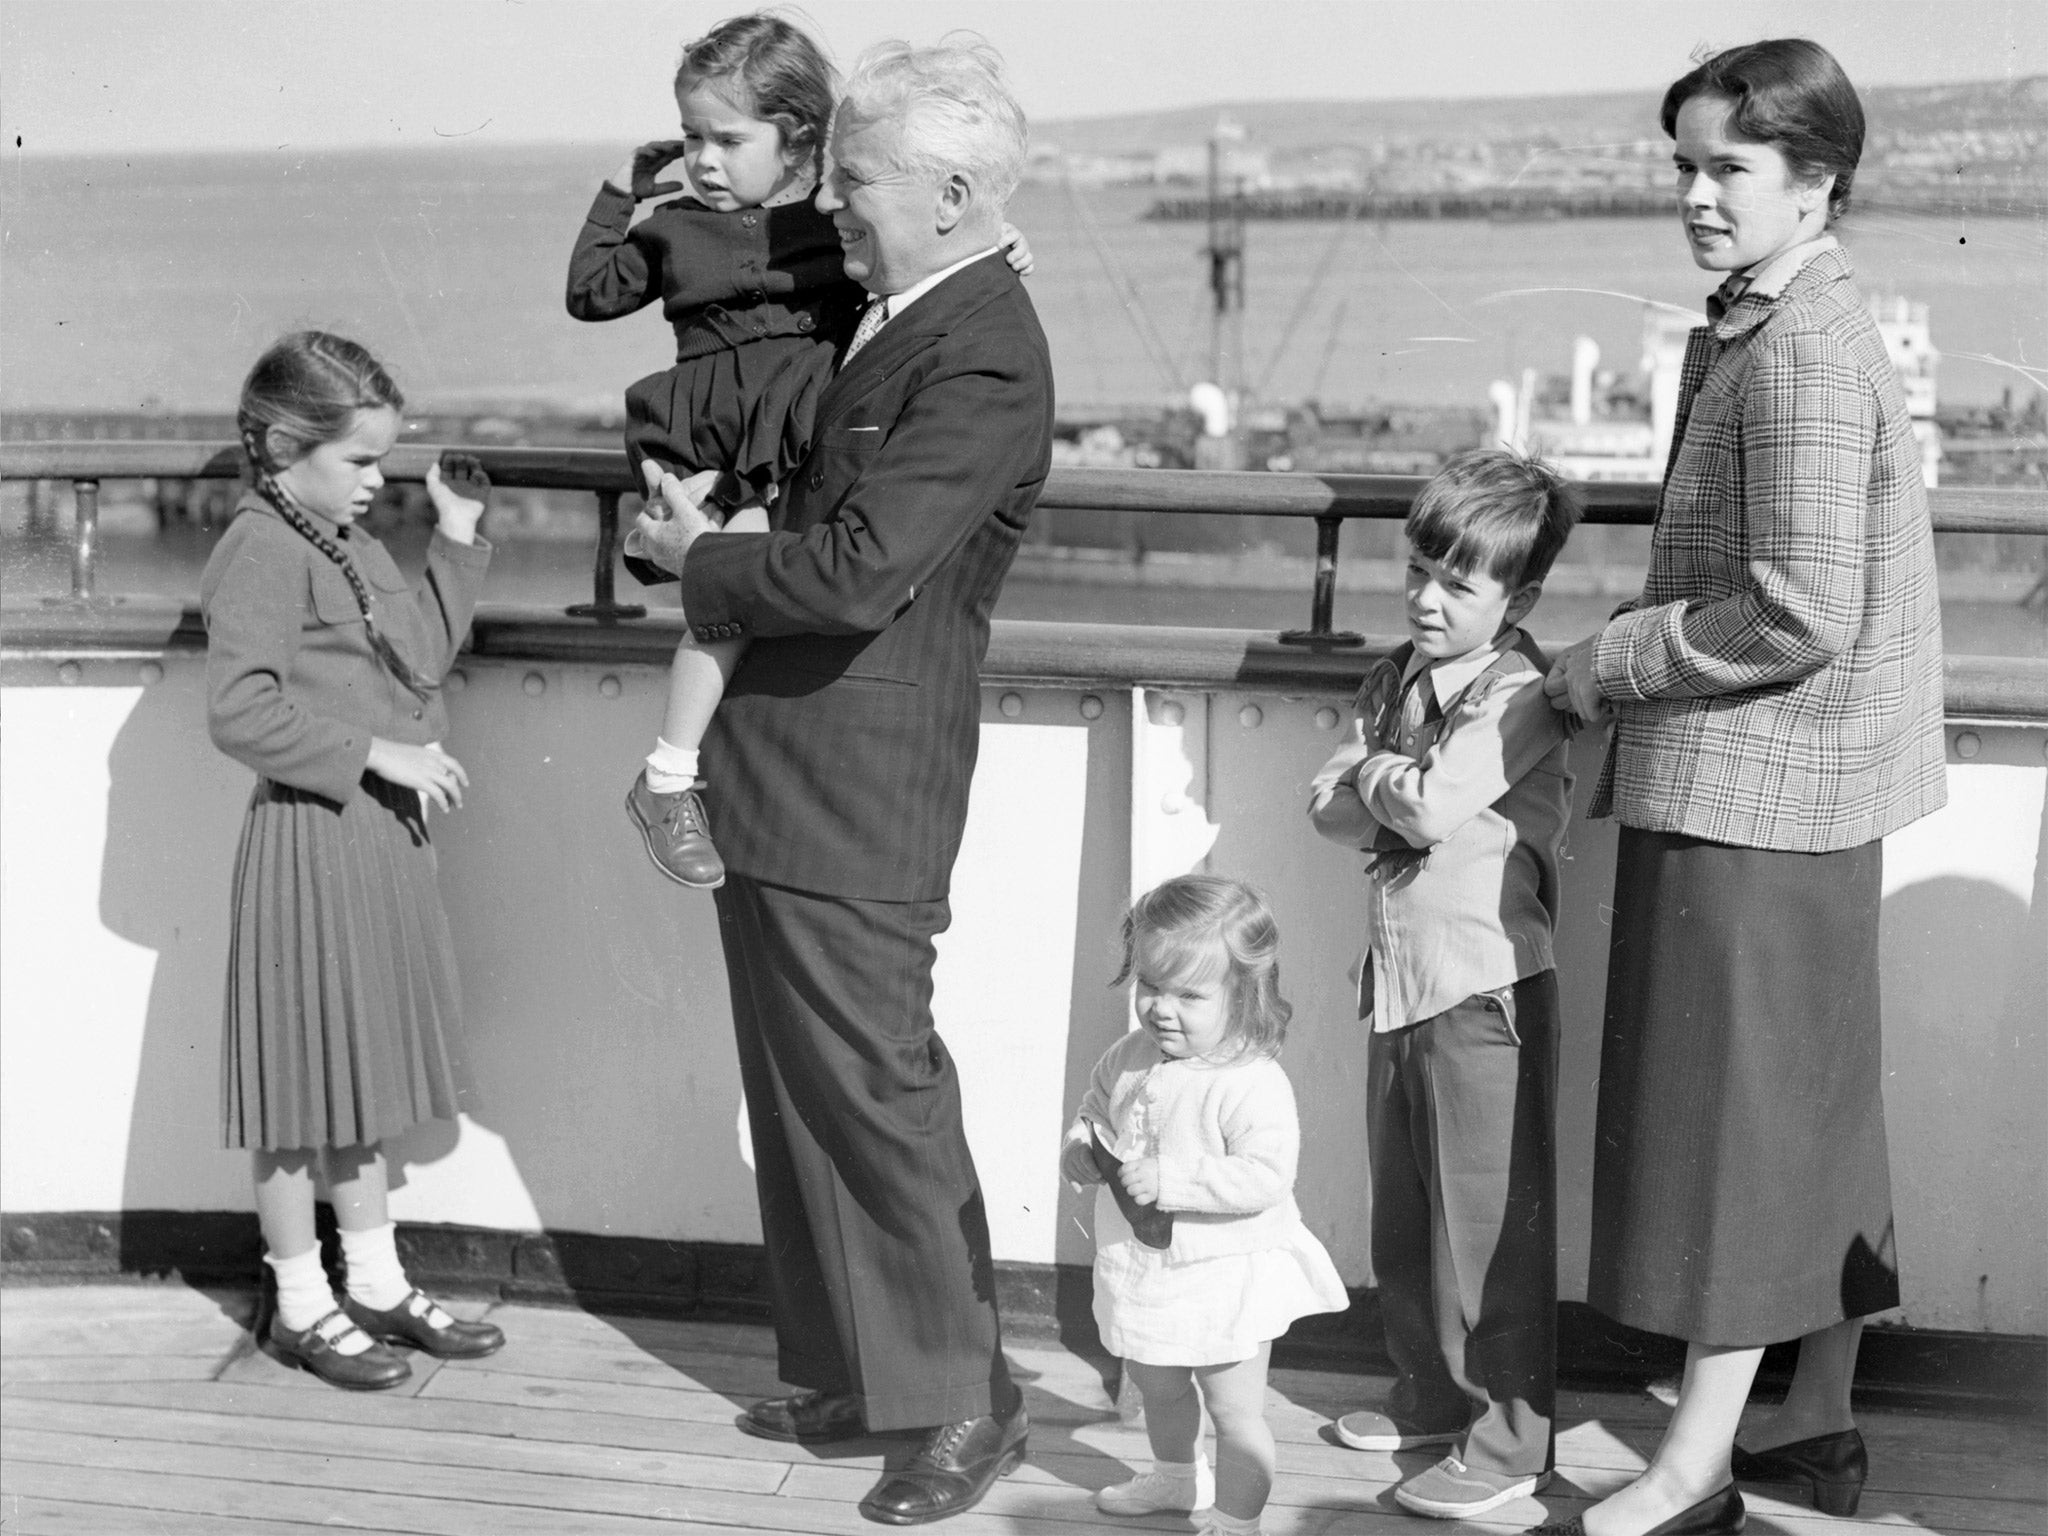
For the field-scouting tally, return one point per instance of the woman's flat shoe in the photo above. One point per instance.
(1834, 1466)
(423, 1323)
(1718, 1514)
(367, 1370)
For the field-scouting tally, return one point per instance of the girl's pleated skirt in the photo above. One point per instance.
(343, 1011)
(1741, 1191)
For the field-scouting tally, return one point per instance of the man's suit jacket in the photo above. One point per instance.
(839, 761)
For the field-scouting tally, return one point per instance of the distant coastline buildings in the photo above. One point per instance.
(1978, 148)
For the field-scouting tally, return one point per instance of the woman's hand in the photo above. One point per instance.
(1077, 1165)
(636, 177)
(458, 488)
(1571, 688)
(1140, 1180)
(436, 775)
(1016, 250)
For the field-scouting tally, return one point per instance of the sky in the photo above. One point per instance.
(123, 76)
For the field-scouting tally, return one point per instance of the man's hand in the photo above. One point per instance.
(636, 177)
(674, 517)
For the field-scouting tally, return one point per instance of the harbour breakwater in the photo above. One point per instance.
(1978, 200)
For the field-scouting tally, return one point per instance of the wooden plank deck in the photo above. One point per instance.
(142, 1408)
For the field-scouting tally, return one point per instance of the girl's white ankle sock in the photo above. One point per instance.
(671, 769)
(303, 1294)
(375, 1277)
(1228, 1525)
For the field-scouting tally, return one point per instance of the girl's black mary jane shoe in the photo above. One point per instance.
(426, 1325)
(368, 1370)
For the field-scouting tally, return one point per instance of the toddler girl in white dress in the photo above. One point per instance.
(1201, 1258)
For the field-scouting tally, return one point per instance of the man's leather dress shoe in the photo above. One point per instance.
(952, 1469)
(808, 1418)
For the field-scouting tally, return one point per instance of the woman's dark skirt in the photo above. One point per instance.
(746, 410)
(342, 1004)
(1741, 1193)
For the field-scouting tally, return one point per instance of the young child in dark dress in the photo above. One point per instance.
(751, 276)
(322, 674)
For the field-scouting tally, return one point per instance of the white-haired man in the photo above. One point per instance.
(841, 758)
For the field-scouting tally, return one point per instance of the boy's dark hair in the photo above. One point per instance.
(1496, 511)
(1788, 93)
(777, 73)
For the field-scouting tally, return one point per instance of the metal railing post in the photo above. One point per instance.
(603, 605)
(85, 538)
(1324, 600)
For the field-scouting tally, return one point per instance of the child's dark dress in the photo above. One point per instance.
(343, 1014)
(760, 303)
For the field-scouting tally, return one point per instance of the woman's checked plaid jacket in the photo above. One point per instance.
(1779, 682)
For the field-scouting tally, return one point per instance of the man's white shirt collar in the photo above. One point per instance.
(899, 302)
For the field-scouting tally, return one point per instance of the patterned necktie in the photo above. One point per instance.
(870, 322)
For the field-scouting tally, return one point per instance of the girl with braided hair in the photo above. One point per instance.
(323, 674)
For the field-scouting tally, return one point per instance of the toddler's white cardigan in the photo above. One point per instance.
(1227, 1138)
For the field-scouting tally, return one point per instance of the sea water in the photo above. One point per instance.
(154, 281)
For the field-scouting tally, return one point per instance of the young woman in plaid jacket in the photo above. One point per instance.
(1775, 695)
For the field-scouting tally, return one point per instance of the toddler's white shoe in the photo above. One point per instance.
(1182, 1490)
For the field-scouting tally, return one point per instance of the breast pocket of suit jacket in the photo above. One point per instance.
(842, 453)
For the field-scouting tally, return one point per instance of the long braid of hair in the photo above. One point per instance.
(269, 488)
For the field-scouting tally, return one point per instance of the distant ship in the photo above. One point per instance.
(1600, 425)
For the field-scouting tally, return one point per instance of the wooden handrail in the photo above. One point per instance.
(1327, 499)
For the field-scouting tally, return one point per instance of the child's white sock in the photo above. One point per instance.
(671, 769)
(375, 1277)
(1230, 1525)
(304, 1296)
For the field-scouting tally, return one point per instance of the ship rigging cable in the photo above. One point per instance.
(1127, 295)
(1304, 304)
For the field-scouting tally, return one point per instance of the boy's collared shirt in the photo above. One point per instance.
(1454, 782)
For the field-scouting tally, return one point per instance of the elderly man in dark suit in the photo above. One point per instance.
(841, 758)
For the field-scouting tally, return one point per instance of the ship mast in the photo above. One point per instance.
(1225, 253)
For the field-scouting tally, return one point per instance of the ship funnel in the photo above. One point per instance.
(1585, 358)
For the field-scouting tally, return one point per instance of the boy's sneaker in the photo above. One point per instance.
(1152, 1493)
(677, 834)
(1450, 1490)
(1370, 1430)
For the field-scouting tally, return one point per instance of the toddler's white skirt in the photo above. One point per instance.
(1209, 1311)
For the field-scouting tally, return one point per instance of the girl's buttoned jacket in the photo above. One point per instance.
(1227, 1137)
(293, 689)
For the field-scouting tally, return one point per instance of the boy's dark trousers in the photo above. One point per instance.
(1462, 1111)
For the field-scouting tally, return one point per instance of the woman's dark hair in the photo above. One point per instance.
(769, 69)
(307, 389)
(1788, 93)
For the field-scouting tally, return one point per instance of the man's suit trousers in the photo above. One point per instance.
(877, 1242)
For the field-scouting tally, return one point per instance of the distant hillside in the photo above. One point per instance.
(1980, 146)
(1284, 126)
